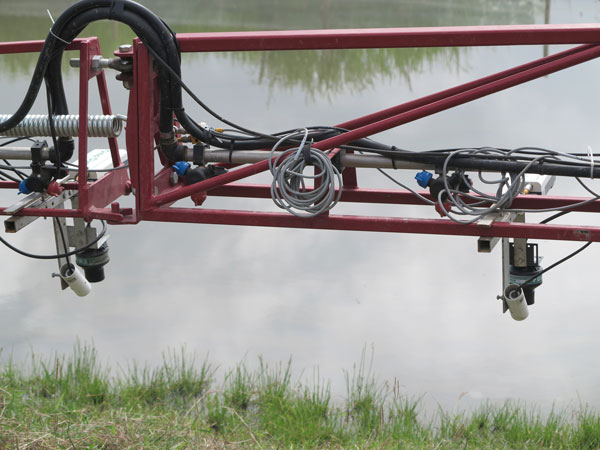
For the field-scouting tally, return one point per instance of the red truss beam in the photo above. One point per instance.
(154, 195)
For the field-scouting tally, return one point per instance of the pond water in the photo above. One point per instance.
(424, 306)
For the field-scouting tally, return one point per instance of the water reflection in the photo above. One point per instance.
(316, 73)
(426, 303)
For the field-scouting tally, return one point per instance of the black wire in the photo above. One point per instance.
(17, 172)
(9, 177)
(555, 216)
(62, 236)
(17, 139)
(579, 250)
(57, 256)
(53, 130)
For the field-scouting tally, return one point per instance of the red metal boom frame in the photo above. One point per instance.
(155, 196)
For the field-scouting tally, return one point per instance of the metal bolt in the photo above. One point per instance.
(125, 48)
(173, 178)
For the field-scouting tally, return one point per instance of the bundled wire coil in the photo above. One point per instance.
(289, 190)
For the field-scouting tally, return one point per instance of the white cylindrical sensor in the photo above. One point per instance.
(75, 279)
(515, 299)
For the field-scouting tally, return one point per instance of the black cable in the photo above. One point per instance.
(17, 172)
(62, 237)
(579, 250)
(555, 216)
(9, 177)
(53, 132)
(57, 256)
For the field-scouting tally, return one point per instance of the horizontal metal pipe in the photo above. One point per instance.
(384, 162)
(469, 36)
(347, 159)
(23, 153)
(379, 224)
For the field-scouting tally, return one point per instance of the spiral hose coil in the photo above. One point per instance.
(65, 125)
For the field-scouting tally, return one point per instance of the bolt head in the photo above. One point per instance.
(125, 48)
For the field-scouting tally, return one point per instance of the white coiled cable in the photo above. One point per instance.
(288, 189)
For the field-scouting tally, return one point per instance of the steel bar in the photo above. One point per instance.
(378, 224)
(383, 162)
(396, 197)
(347, 159)
(21, 153)
(16, 223)
(470, 36)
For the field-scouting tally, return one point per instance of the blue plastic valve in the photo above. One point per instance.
(423, 178)
(23, 189)
(181, 167)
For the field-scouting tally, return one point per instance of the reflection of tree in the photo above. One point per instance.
(326, 72)
(315, 72)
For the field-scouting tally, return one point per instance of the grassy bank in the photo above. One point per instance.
(74, 402)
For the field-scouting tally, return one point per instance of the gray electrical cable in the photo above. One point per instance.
(288, 189)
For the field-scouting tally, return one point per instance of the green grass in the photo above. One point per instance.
(74, 401)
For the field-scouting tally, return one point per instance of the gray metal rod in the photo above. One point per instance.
(347, 159)
(21, 153)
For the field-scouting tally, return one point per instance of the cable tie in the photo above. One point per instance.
(50, 14)
(51, 32)
(591, 155)
(231, 143)
(58, 37)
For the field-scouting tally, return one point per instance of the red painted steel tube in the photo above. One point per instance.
(390, 38)
(85, 57)
(417, 103)
(378, 224)
(396, 197)
(32, 46)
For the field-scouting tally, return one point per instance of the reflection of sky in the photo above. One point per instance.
(426, 304)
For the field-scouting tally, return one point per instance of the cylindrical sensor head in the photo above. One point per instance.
(515, 299)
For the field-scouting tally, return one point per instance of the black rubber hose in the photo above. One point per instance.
(168, 101)
(501, 165)
(149, 28)
(32, 91)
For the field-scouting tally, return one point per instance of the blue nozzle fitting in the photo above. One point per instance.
(423, 178)
(181, 167)
(23, 189)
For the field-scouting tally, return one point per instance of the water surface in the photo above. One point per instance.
(425, 304)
